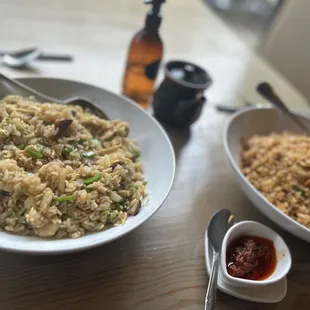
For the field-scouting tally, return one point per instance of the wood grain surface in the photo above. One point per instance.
(161, 264)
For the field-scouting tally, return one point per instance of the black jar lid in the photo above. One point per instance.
(188, 74)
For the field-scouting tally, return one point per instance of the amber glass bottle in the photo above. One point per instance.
(144, 58)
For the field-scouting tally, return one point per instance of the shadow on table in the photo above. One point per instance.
(178, 137)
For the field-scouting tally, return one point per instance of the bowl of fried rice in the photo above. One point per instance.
(270, 159)
(70, 180)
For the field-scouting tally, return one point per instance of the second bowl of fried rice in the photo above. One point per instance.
(269, 158)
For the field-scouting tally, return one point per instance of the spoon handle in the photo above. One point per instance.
(43, 56)
(266, 90)
(210, 300)
(227, 109)
(38, 95)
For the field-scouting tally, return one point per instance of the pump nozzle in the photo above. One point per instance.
(156, 5)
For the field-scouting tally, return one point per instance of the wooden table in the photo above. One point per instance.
(160, 265)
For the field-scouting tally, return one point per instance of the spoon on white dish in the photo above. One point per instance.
(21, 58)
(83, 102)
(219, 224)
(267, 91)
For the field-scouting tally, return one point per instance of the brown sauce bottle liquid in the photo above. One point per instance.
(144, 58)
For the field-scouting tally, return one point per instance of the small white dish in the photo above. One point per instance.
(266, 294)
(251, 228)
(262, 121)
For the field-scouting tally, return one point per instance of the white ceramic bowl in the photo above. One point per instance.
(249, 228)
(157, 156)
(260, 121)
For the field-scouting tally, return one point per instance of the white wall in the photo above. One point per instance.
(288, 45)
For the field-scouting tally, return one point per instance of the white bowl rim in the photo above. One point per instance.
(98, 241)
(246, 282)
(241, 175)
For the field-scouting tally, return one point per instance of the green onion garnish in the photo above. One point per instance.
(83, 141)
(89, 154)
(40, 147)
(11, 213)
(34, 154)
(68, 149)
(75, 144)
(88, 189)
(22, 146)
(65, 198)
(93, 179)
(135, 154)
(131, 185)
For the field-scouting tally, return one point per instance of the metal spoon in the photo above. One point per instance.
(21, 58)
(232, 109)
(266, 90)
(219, 224)
(42, 56)
(80, 101)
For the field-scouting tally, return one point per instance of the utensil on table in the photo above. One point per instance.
(179, 99)
(266, 90)
(232, 109)
(21, 58)
(80, 101)
(228, 108)
(219, 224)
(42, 56)
(245, 103)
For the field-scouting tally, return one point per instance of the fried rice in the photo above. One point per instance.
(278, 165)
(65, 172)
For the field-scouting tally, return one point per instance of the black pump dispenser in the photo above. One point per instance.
(153, 18)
